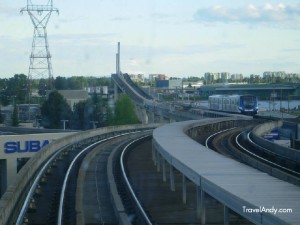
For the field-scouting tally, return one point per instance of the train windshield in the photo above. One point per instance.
(249, 101)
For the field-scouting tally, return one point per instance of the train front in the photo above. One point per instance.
(248, 105)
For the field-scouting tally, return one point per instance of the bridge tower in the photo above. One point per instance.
(40, 57)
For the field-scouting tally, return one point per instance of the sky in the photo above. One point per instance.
(179, 38)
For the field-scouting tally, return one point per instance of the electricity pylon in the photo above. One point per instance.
(40, 57)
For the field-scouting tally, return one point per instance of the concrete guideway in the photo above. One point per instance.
(254, 195)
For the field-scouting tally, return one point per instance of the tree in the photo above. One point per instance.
(77, 121)
(124, 112)
(54, 110)
(1, 117)
(61, 83)
(16, 88)
(76, 83)
(94, 109)
(15, 116)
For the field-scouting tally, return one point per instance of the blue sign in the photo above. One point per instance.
(29, 146)
(271, 136)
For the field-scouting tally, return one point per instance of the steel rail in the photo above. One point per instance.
(33, 187)
(261, 158)
(36, 180)
(264, 149)
(62, 196)
(128, 183)
(219, 132)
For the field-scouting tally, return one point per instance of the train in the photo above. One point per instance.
(243, 104)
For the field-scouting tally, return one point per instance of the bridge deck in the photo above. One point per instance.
(236, 185)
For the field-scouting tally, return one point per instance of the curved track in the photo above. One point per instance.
(244, 142)
(53, 194)
(238, 144)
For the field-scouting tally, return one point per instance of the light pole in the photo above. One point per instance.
(64, 122)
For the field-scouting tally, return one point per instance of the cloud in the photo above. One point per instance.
(162, 15)
(9, 11)
(267, 13)
(79, 38)
(291, 50)
(120, 18)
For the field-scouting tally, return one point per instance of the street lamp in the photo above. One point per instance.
(64, 122)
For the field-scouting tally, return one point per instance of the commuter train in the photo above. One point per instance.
(244, 104)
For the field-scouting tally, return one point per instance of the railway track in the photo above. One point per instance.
(236, 143)
(67, 190)
(58, 199)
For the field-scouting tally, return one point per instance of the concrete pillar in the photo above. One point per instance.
(115, 92)
(154, 152)
(226, 215)
(158, 162)
(11, 168)
(3, 176)
(142, 115)
(150, 117)
(183, 189)
(172, 179)
(145, 116)
(156, 118)
(172, 120)
(138, 114)
(161, 119)
(164, 169)
(201, 204)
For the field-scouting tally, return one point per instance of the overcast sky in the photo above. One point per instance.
(174, 37)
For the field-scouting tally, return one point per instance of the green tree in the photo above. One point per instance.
(78, 117)
(109, 117)
(76, 83)
(54, 110)
(15, 116)
(3, 93)
(124, 112)
(61, 83)
(16, 88)
(1, 117)
(93, 109)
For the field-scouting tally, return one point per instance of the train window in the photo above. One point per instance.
(248, 100)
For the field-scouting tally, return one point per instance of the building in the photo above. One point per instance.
(153, 77)
(211, 77)
(98, 90)
(74, 96)
(137, 77)
(237, 76)
(169, 84)
(270, 75)
(175, 83)
(225, 76)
